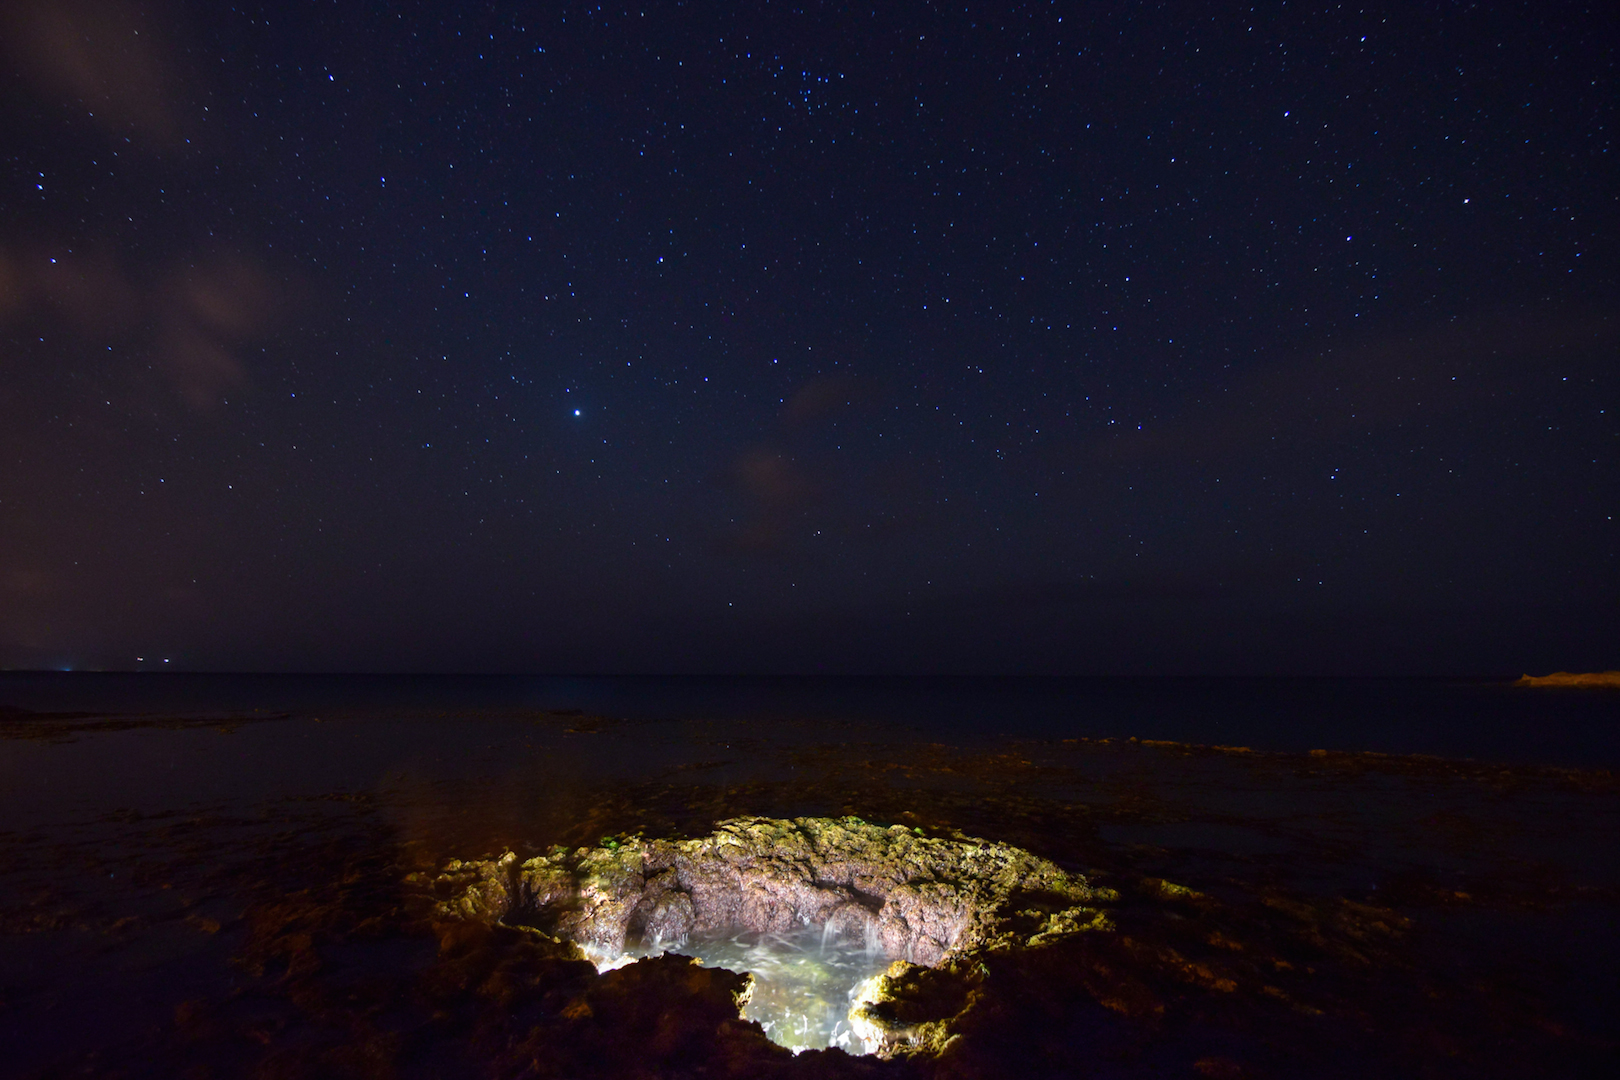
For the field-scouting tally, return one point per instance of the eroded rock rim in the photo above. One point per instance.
(920, 899)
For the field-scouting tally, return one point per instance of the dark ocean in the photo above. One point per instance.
(222, 875)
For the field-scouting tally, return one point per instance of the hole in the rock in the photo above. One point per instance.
(805, 979)
(815, 909)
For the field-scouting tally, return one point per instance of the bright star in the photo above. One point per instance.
(576, 412)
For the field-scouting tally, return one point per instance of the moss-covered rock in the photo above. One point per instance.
(918, 898)
(930, 904)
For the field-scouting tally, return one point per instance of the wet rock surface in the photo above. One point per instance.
(917, 898)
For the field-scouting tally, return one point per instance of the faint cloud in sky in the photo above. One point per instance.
(824, 475)
(13, 287)
(102, 52)
(1344, 392)
(192, 325)
(207, 313)
(90, 292)
(189, 315)
(778, 490)
(822, 397)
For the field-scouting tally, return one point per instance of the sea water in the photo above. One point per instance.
(1484, 718)
(805, 981)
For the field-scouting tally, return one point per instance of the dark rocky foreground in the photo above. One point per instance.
(1251, 914)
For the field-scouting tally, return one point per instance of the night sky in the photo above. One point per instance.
(998, 338)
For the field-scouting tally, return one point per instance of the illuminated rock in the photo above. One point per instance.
(917, 898)
(922, 902)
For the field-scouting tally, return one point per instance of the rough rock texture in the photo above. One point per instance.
(935, 906)
(920, 899)
(910, 1008)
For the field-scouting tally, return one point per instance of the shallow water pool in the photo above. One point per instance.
(804, 982)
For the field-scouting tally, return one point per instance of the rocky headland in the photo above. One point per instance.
(1609, 679)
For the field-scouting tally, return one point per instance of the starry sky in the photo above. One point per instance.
(978, 337)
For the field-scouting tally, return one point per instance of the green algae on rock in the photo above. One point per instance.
(929, 904)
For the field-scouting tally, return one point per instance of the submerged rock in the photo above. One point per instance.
(924, 902)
